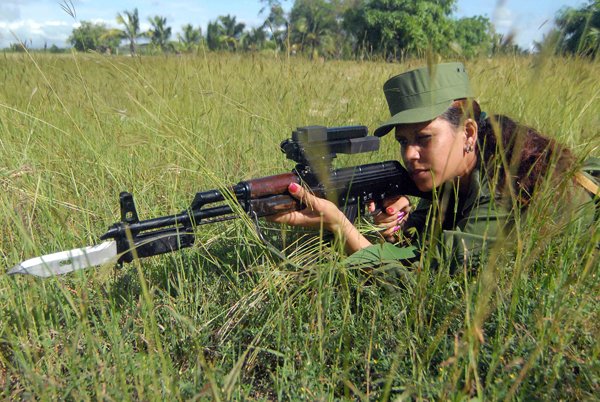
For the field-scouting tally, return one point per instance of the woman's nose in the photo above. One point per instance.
(411, 152)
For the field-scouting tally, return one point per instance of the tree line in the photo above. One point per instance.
(391, 29)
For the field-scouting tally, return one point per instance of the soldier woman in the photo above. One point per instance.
(483, 172)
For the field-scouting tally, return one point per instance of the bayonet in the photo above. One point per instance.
(68, 261)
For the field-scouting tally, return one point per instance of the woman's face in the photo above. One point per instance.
(433, 152)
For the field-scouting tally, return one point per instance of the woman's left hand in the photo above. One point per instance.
(323, 213)
(318, 212)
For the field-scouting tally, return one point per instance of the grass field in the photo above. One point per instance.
(226, 319)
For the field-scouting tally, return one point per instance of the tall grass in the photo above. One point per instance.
(227, 319)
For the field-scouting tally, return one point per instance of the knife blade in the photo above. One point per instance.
(63, 262)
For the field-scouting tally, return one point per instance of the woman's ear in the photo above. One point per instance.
(471, 132)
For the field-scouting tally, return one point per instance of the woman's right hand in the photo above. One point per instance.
(392, 216)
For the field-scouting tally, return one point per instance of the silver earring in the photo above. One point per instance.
(469, 148)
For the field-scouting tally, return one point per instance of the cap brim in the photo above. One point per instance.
(410, 116)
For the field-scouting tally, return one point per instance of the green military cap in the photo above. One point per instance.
(423, 94)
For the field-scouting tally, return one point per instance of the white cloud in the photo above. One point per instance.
(35, 33)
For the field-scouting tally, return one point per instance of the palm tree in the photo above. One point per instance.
(110, 40)
(190, 37)
(313, 24)
(255, 39)
(131, 21)
(231, 30)
(580, 29)
(213, 34)
(159, 34)
(277, 24)
(225, 32)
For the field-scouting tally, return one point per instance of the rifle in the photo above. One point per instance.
(313, 148)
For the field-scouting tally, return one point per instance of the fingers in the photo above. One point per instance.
(395, 211)
(393, 223)
(296, 191)
(392, 217)
(391, 205)
(317, 213)
(396, 204)
(391, 231)
(294, 218)
(312, 202)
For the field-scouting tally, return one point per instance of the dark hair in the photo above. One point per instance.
(530, 156)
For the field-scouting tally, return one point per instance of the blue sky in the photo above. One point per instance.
(44, 21)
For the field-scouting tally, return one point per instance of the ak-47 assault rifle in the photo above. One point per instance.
(312, 148)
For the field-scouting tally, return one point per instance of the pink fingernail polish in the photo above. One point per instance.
(293, 187)
(396, 228)
(401, 215)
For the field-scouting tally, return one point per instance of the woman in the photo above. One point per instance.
(482, 171)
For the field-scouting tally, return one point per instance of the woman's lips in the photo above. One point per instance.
(419, 173)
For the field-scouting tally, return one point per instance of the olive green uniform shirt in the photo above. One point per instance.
(464, 227)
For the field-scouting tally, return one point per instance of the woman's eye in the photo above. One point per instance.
(423, 139)
(402, 141)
